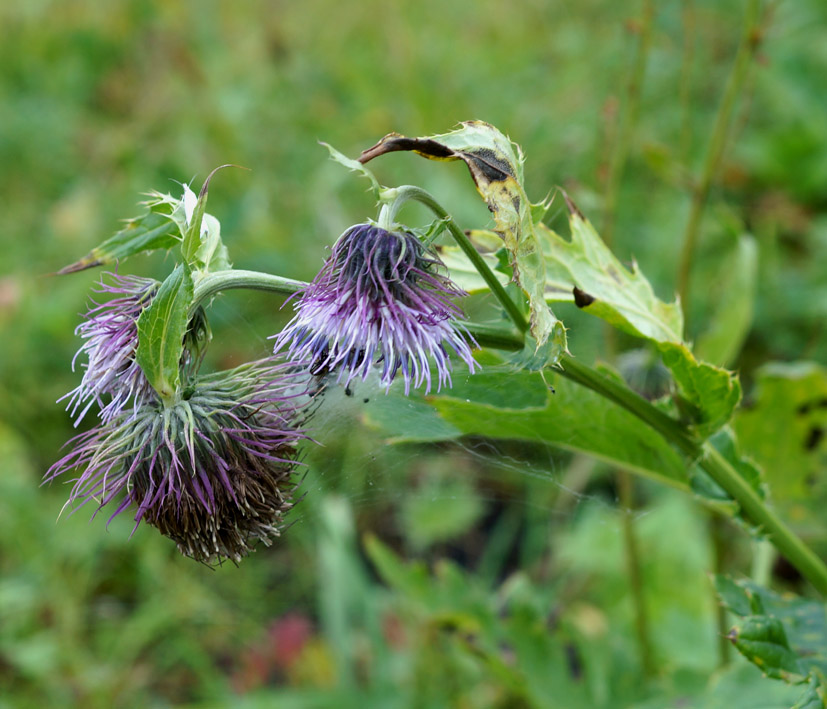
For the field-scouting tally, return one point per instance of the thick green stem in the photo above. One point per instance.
(716, 466)
(719, 469)
(717, 144)
(400, 195)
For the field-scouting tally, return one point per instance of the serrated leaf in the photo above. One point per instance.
(355, 166)
(784, 635)
(161, 329)
(723, 336)
(584, 271)
(149, 232)
(762, 640)
(708, 394)
(496, 166)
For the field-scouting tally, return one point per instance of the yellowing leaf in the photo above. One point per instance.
(496, 166)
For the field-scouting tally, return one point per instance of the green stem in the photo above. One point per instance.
(219, 281)
(400, 195)
(717, 144)
(628, 120)
(634, 571)
(716, 466)
(685, 91)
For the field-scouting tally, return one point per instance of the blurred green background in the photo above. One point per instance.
(516, 552)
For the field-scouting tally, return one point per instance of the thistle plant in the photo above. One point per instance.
(379, 298)
(211, 459)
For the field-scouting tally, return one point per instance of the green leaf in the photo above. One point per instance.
(411, 578)
(149, 232)
(708, 395)
(202, 247)
(584, 271)
(784, 430)
(763, 642)
(814, 696)
(496, 166)
(722, 339)
(161, 329)
(567, 420)
(355, 166)
(784, 635)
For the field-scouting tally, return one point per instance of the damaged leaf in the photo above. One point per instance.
(496, 166)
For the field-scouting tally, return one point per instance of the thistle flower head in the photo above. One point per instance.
(378, 298)
(215, 472)
(110, 331)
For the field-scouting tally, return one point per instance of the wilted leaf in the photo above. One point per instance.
(496, 166)
(149, 232)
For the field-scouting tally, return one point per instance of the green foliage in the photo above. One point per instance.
(161, 329)
(113, 98)
(784, 636)
(149, 232)
(783, 430)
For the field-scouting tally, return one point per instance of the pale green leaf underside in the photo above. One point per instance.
(622, 297)
(517, 405)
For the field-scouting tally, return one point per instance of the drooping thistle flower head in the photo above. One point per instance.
(379, 298)
(111, 375)
(214, 471)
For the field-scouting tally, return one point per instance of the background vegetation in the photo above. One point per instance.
(412, 576)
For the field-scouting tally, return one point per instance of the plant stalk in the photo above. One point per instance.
(717, 144)
(634, 570)
(628, 121)
(411, 193)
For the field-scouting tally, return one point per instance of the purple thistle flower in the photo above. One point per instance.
(379, 298)
(110, 331)
(215, 472)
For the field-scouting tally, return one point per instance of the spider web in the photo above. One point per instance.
(395, 489)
